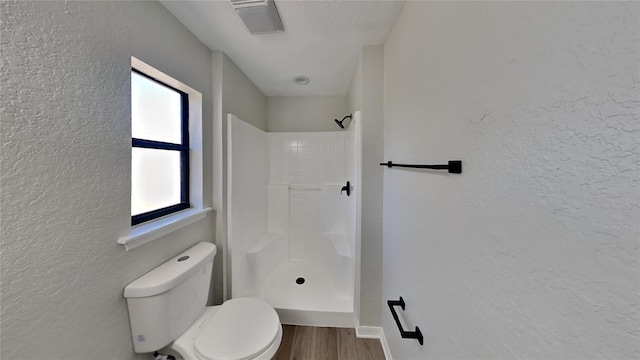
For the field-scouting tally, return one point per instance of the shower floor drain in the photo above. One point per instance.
(300, 281)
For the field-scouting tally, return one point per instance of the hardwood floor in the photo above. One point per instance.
(322, 343)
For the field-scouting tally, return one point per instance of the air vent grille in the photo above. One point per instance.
(259, 16)
(275, 16)
(242, 2)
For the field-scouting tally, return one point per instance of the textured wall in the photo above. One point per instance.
(366, 95)
(305, 113)
(65, 165)
(533, 251)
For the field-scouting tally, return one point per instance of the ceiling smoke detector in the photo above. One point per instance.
(259, 16)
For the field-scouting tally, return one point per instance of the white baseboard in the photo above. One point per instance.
(368, 332)
(374, 332)
(385, 345)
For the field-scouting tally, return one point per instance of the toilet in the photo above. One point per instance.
(167, 310)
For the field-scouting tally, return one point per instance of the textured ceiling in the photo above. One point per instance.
(322, 40)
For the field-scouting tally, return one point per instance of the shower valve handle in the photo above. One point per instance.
(346, 188)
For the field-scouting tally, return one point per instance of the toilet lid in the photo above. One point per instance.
(241, 329)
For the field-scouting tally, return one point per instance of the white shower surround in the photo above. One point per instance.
(288, 219)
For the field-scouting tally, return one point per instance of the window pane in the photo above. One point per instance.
(155, 111)
(155, 179)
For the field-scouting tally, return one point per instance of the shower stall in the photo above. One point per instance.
(292, 228)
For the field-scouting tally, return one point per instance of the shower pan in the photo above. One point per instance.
(291, 227)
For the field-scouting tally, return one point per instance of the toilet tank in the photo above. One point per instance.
(164, 302)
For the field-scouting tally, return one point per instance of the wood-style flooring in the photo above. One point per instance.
(323, 343)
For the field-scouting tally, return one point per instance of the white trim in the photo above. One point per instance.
(368, 332)
(375, 332)
(356, 126)
(149, 231)
(385, 345)
(218, 163)
(155, 73)
(229, 210)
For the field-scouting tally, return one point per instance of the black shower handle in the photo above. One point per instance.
(346, 188)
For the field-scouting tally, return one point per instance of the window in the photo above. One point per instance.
(160, 148)
(167, 156)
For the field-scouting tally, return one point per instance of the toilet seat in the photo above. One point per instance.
(241, 329)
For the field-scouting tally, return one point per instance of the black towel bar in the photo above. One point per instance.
(454, 166)
(405, 334)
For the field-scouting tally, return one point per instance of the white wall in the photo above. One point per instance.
(354, 98)
(66, 170)
(233, 93)
(366, 95)
(532, 252)
(305, 113)
(240, 96)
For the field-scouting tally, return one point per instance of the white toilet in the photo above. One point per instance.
(167, 310)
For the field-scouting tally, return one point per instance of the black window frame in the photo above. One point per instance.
(183, 148)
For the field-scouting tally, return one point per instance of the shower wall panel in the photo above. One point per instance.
(247, 187)
(307, 158)
(288, 219)
(313, 166)
(278, 208)
(353, 160)
(305, 240)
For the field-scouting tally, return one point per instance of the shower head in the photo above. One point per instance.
(339, 122)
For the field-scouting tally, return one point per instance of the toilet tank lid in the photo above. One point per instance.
(172, 273)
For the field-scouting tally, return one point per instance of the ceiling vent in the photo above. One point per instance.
(259, 16)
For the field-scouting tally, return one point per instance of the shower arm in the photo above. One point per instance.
(339, 122)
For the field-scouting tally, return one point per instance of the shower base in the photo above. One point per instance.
(316, 302)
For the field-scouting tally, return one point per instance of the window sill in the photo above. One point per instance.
(144, 233)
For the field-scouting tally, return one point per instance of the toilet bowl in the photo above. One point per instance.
(242, 328)
(167, 311)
